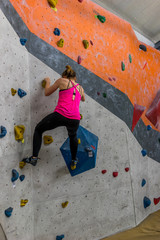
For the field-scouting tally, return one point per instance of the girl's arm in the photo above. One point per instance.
(51, 89)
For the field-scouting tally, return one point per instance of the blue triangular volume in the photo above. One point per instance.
(23, 41)
(86, 154)
(21, 93)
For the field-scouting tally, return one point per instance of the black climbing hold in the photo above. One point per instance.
(122, 66)
(3, 132)
(23, 41)
(143, 47)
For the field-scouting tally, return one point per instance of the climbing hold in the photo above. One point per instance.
(57, 31)
(22, 177)
(127, 169)
(130, 58)
(143, 47)
(146, 202)
(114, 79)
(21, 93)
(47, 140)
(93, 147)
(122, 66)
(104, 95)
(23, 41)
(80, 1)
(143, 182)
(86, 44)
(15, 175)
(43, 83)
(3, 132)
(79, 141)
(98, 93)
(156, 200)
(13, 91)
(91, 42)
(22, 164)
(19, 131)
(104, 171)
(138, 111)
(23, 202)
(8, 211)
(144, 152)
(102, 19)
(64, 205)
(149, 127)
(60, 43)
(79, 59)
(115, 174)
(55, 9)
(53, 3)
(60, 237)
(110, 79)
(81, 116)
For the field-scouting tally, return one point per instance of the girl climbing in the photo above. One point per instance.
(65, 114)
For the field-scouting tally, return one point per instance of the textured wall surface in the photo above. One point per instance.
(99, 205)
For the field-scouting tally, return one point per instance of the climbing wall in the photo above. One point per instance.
(99, 203)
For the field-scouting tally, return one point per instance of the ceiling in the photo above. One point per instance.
(143, 15)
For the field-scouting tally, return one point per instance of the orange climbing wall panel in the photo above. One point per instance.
(113, 41)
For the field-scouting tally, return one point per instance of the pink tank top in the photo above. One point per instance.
(66, 106)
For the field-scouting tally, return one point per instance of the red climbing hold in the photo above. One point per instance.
(115, 174)
(138, 111)
(80, 1)
(91, 42)
(156, 200)
(79, 60)
(98, 93)
(110, 79)
(127, 169)
(104, 171)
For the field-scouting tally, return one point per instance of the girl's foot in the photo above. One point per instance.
(74, 164)
(32, 160)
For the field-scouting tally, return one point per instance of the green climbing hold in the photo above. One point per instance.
(130, 58)
(104, 95)
(102, 19)
(122, 66)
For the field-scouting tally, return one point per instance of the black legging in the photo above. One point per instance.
(52, 121)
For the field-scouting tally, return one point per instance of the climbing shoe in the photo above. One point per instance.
(31, 160)
(74, 164)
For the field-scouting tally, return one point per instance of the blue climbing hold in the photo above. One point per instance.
(3, 132)
(23, 41)
(86, 154)
(57, 31)
(144, 152)
(146, 202)
(149, 127)
(22, 177)
(143, 182)
(21, 93)
(8, 211)
(60, 237)
(15, 175)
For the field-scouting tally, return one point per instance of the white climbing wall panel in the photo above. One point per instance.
(99, 205)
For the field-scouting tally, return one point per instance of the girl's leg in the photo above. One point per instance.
(51, 121)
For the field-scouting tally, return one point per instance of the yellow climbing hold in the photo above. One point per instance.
(21, 165)
(24, 202)
(86, 44)
(60, 43)
(53, 3)
(64, 205)
(43, 83)
(79, 141)
(47, 140)
(55, 9)
(19, 131)
(13, 91)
